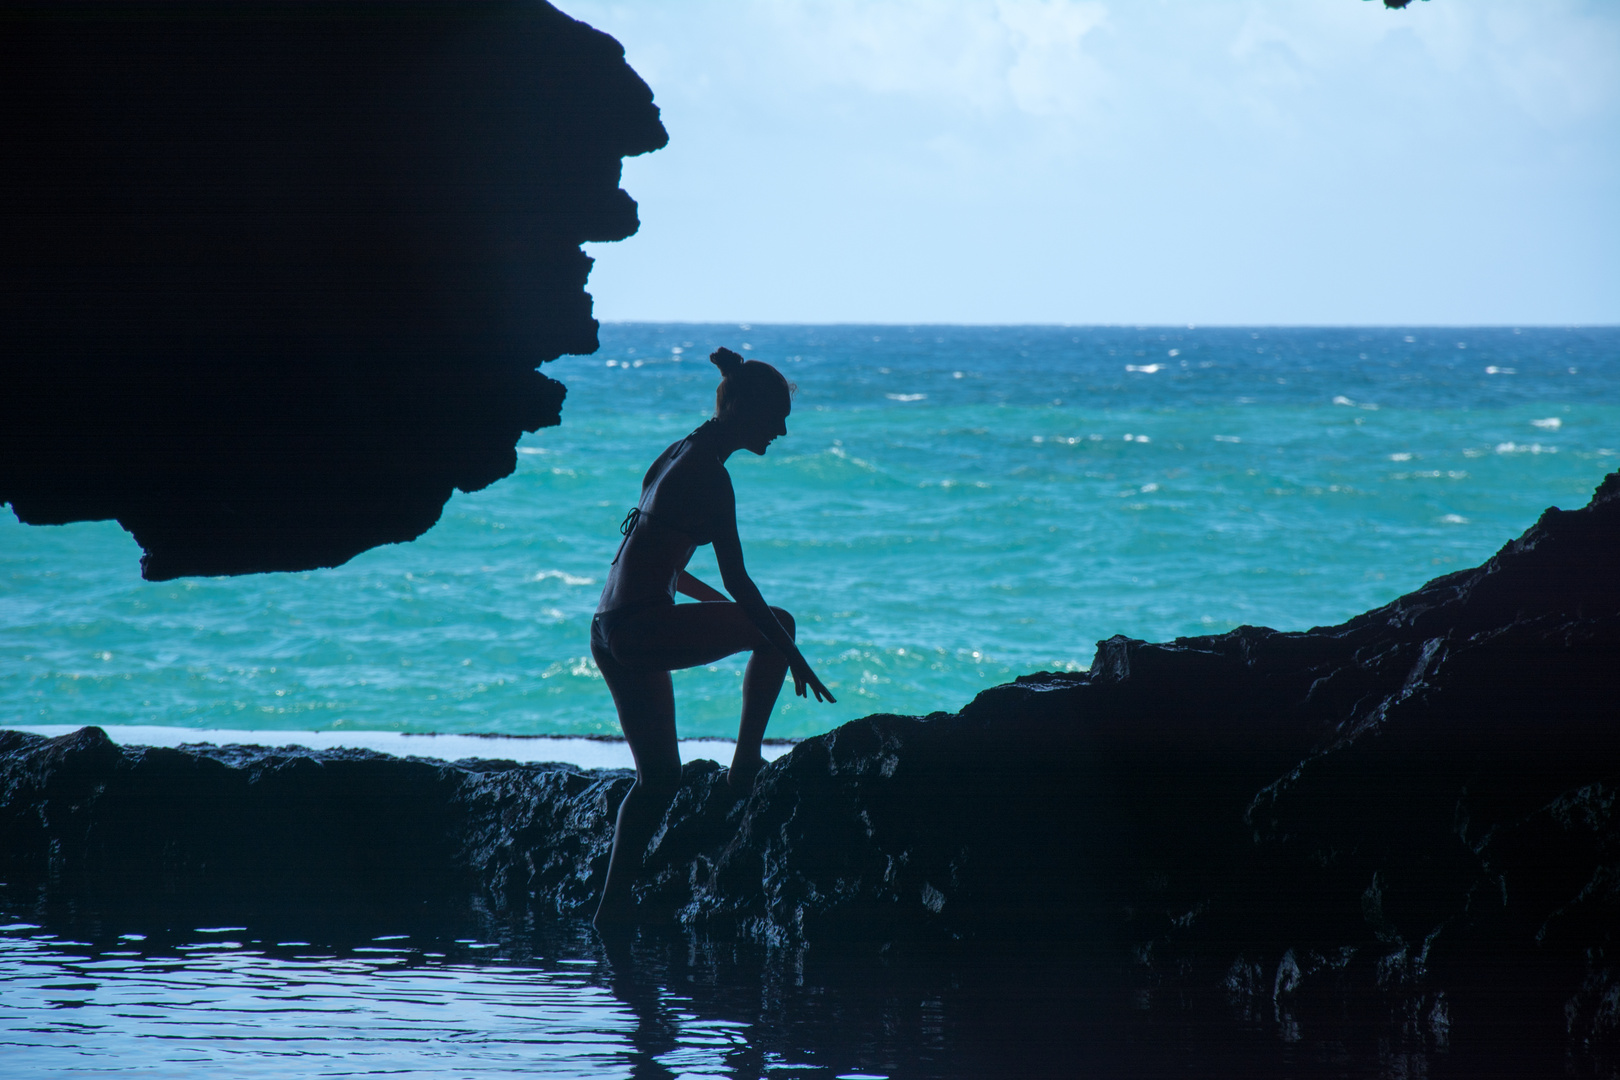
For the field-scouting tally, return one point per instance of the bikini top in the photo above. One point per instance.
(698, 536)
(638, 515)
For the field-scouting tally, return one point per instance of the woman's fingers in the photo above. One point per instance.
(805, 683)
(822, 693)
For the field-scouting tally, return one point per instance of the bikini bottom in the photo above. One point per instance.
(608, 624)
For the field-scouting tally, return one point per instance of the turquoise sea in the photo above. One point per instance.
(953, 506)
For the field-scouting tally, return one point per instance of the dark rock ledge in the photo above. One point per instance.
(1419, 804)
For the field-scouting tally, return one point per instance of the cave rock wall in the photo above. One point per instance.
(275, 278)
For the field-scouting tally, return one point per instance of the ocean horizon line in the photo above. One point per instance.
(845, 323)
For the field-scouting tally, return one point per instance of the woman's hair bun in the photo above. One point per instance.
(747, 384)
(727, 361)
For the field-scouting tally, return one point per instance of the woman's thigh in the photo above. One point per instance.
(645, 700)
(685, 635)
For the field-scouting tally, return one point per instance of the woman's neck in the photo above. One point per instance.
(719, 437)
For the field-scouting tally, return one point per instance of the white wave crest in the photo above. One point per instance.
(565, 578)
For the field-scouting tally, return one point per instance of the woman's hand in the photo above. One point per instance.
(804, 678)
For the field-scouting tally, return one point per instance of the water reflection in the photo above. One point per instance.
(257, 1008)
(470, 996)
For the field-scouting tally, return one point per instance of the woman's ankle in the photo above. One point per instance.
(742, 773)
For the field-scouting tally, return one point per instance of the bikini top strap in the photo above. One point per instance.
(626, 527)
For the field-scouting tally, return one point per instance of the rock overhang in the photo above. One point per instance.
(278, 277)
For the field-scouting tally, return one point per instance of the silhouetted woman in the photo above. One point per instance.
(640, 634)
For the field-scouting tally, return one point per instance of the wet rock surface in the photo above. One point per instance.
(277, 277)
(1416, 808)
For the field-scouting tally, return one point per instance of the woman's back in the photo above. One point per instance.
(683, 495)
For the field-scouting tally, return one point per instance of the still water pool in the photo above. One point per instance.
(463, 998)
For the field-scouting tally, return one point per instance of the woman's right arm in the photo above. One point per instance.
(728, 554)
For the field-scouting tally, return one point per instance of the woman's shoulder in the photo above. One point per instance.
(687, 473)
(660, 465)
(703, 479)
(694, 456)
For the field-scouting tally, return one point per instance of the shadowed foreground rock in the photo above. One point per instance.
(1419, 805)
(276, 276)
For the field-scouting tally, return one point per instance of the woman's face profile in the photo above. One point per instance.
(760, 427)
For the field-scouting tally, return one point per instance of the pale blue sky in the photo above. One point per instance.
(1149, 161)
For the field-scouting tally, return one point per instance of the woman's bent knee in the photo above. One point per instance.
(787, 622)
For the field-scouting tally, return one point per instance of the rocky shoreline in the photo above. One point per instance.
(1417, 805)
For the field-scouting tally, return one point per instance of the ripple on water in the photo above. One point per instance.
(241, 1011)
(459, 998)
